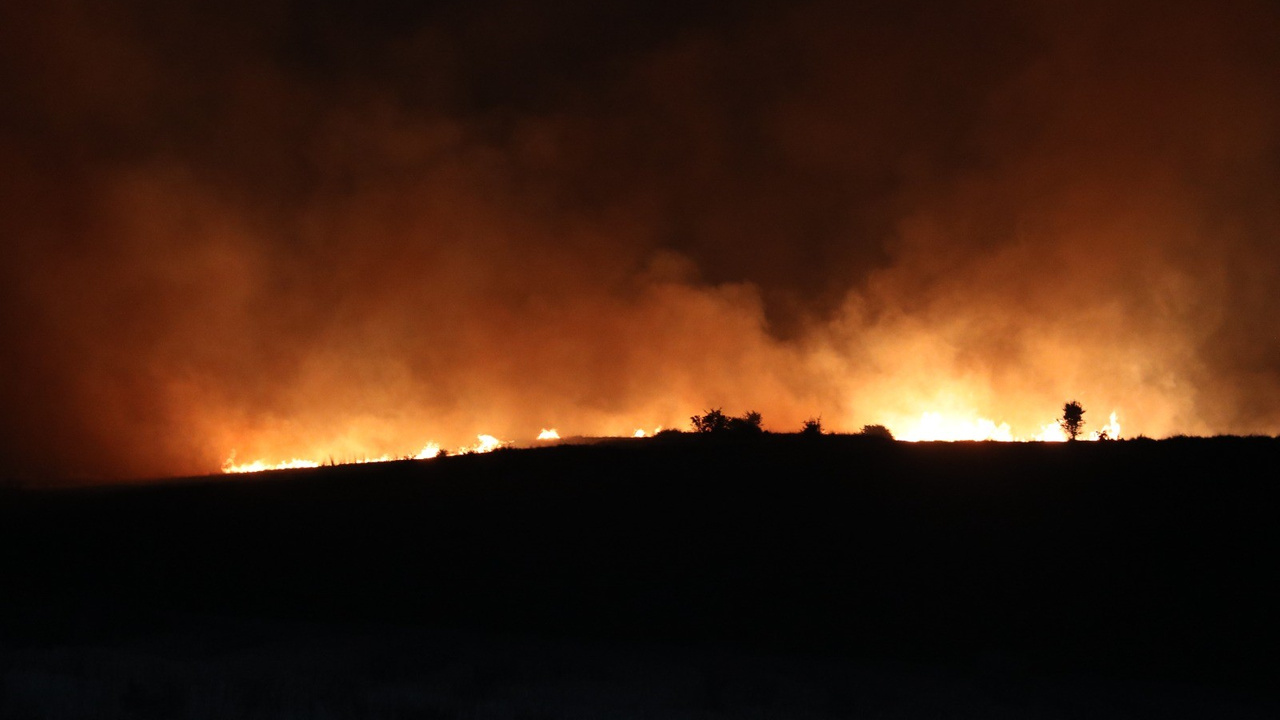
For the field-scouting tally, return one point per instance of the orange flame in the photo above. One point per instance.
(936, 426)
(230, 465)
(485, 443)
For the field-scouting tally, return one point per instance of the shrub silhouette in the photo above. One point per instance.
(716, 422)
(811, 427)
(876, 431)
(748, 424)
(1072, 420)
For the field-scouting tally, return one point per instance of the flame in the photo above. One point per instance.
(549, 434)
(957, 427)
(1111, 431)
(485, 443)
(230, 465)
(936, 426)
(428, 452)
(1051, 432)
(640, 432)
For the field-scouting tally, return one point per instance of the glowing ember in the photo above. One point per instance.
(549, 434)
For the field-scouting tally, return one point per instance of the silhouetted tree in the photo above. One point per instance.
(713, 422)
(811, 427)
(877, 431)
(1072, 419)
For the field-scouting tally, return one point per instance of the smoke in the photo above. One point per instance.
(349, 230)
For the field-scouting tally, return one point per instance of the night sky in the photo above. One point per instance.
(348, 228)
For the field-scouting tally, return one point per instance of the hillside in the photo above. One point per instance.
(1139, 561)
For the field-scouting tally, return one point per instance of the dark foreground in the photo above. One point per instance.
(785, 577)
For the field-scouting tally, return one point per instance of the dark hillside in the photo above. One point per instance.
(1144, 560)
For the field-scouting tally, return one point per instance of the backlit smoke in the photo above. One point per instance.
(344, 231)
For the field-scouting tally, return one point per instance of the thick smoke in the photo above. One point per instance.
(352, 228)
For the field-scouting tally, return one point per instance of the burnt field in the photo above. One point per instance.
(1140, 563)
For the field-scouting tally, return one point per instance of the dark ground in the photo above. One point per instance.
(673, 577)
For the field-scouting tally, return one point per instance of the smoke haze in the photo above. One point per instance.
(345, 229)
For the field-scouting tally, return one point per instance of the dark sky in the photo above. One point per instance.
(346, 228)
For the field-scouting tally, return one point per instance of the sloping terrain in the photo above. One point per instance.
(1137, 562)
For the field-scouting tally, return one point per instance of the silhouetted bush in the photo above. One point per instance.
(714, 421)
(811, 427)
(876, 431)
(748, 424)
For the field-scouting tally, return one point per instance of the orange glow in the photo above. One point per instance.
(549, 434)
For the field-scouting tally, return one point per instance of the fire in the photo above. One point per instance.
(938, 426)
(931, 426)
(485, 443)
(230, 465)
(1111, 430)
(1051, 432)
(431, 450)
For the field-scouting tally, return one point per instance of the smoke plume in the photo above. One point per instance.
(347, 229)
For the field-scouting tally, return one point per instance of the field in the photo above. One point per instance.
(682, 576)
